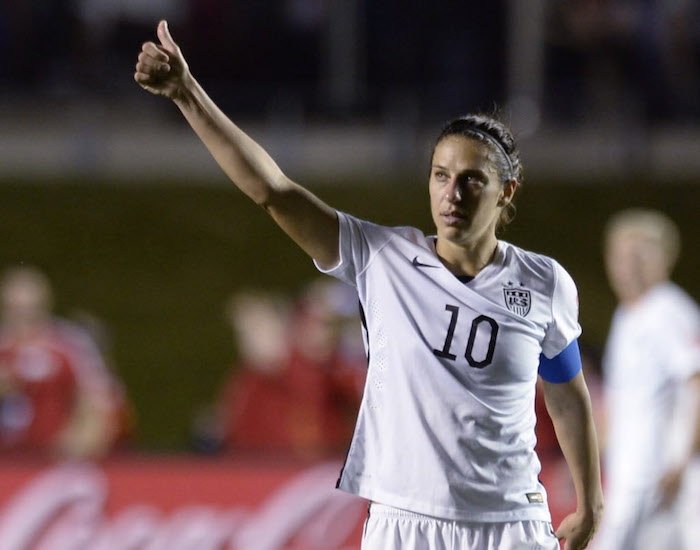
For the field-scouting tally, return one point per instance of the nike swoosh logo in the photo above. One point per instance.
(416, 263)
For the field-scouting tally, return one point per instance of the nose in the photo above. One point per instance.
(453, 192)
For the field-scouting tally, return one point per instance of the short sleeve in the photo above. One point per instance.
(564, 327)
(355, 248)
(686, 358)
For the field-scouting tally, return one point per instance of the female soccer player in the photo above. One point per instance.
(458, 326)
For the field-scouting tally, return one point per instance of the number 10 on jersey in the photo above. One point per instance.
(490, 327)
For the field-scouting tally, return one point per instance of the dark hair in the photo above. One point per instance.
(499, 139)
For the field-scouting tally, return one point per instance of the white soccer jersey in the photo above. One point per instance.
(447, 424)
(653, 348)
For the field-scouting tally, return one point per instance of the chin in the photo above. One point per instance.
(454, 234)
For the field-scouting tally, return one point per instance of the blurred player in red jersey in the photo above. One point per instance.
(298, 380)
(253, 405)
(57, 397)
(326, 372)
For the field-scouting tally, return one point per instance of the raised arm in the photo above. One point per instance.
(162, 70)
(569, 405)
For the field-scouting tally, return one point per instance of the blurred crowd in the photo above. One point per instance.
(293, 391)
(319, 58)
(624, 60)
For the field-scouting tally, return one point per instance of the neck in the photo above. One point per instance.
(632, 295)
(467, 259)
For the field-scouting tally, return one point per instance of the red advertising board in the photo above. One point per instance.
(176, 503)
(190, 503)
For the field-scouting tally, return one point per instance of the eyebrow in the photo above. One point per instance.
(468, 172)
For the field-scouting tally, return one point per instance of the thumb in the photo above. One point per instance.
(164, 36)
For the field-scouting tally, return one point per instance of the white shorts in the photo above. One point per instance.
(389, 528)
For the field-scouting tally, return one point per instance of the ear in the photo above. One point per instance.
(508, 192)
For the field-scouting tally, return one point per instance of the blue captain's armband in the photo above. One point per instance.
(563, 367)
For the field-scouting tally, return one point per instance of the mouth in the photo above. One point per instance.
(453, 217)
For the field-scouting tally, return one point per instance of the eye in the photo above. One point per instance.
(440, 175)
(474, 180)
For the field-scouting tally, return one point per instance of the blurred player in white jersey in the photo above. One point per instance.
(458, 326)
(652, 380)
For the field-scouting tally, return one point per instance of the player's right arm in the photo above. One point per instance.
(162, 70)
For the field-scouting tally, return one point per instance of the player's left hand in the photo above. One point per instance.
(577, 530)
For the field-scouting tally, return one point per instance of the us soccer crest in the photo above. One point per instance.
(517, 300)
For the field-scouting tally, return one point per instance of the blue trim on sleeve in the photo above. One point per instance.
(562, 368)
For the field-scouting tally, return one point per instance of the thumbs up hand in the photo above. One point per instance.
(161, 68)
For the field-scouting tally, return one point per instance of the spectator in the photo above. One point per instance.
(623, 62)
(298, 381)
(253, 405)
(325, 375)
(57, 398)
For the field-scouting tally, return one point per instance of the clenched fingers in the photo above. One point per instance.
(155, 51)
(152, 61)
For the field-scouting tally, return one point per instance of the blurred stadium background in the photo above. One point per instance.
(107, 190)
